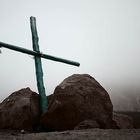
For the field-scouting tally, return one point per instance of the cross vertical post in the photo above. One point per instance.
(38, 67)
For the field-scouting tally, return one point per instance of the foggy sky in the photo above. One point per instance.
(103, 35)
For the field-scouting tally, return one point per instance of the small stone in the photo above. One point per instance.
(22, 131)
(87, 124)
(123, 121)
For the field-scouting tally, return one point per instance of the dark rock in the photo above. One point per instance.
(20, 110)
(79, 97)
(87, 124)
(123, 121)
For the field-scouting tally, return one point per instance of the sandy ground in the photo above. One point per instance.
(91, 134)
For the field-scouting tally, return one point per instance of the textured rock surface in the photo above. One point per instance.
(123, 121)
(20, 110)
(79, 97)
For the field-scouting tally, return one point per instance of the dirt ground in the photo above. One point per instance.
(90, 134)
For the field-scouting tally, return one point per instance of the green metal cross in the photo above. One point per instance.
(38, 65)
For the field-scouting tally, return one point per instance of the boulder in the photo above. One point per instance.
(20, 110)
(123, 121)
(78, 98)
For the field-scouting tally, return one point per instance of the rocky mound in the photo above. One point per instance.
(79, 102)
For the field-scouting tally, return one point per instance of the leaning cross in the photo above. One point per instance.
(38, 65)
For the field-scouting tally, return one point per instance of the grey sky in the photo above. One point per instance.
(103, 35)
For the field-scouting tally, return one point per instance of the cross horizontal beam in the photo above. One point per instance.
(30, 52)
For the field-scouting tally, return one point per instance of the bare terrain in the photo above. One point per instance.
(88, 134)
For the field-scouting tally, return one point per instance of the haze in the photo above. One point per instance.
(103, 35)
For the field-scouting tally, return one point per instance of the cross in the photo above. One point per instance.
(38, 65)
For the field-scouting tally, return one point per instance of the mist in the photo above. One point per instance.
(104, 36)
